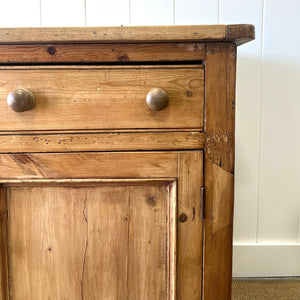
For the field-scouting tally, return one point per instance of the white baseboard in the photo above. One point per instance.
(266, 260)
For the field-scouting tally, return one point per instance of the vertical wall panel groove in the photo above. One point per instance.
(40, 12)
(174, 12)
(129, 12)
(85, 17)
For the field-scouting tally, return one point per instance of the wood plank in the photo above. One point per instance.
(82, 232)
(237, 33)
(220, 105)
(134, 130)
(113, 234)
(148, 235)
(219, 160)
(217, 275)
(80, 53)
(103, 97)
(106, 265)
(18, 143)
(87, 182)
(190, 225)
(121, 34)
(88, 165)
(222, 204)
(2, 200)
(4, 278)
(117, 67)
(173, 196)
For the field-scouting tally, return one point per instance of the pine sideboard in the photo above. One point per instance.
(117, 162)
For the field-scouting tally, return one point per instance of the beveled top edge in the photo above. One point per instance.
(238, 34)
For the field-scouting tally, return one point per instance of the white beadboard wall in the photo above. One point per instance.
(267, 193)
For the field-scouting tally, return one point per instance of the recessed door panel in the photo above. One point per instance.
(108, 241)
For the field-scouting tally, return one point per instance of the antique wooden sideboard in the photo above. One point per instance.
(117, 162)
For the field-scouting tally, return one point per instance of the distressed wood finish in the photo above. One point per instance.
(103, 97)
(240, 34)
(133, 223)
(67, 142)
(148, 255)
(107, 241)
(219, 167)
(79, 53)
(190, 226)
(88, 165)
(4, 263)
(222, 204)
(128, 34)
(100, 196)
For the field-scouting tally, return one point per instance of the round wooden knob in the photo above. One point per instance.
(20, 100)
(157, 99)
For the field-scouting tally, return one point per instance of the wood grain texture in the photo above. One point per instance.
(130, 141)
(103, 97)
(93, 53)
(190, 226)
(108, 241)
(2, 200)
(88, 165)
(223, 190)
(106, 263)
(173, 238)
(4, 277)
(123, 34)
(149, 255)
(220, 104)
(219, 166)
(240, 34)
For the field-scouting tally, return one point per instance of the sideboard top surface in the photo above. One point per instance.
(238, 34)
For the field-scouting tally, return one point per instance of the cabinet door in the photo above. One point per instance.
(101, 225)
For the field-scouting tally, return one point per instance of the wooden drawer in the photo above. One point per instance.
(103, 97)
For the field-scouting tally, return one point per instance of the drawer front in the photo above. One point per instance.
(97, 97)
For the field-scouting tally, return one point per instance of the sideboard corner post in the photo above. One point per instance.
(219, 169)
